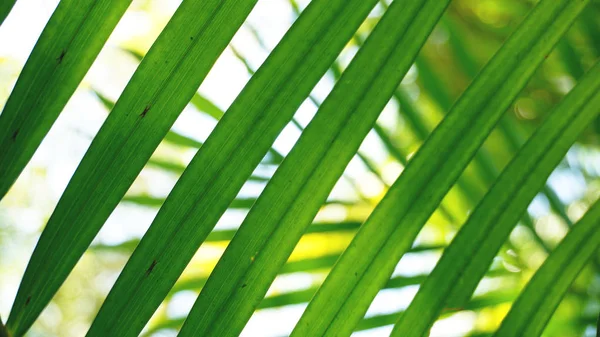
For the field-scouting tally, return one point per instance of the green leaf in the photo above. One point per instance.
(5, 8)
(226, 160)
(313, 99)
(198, 101)
(201, 103)
(505, 129)
(482, 161)
(542, 295)
(66, 49)
(392, 227)
(592, 28)
(163, 84)
(171, 137)
(336, 70)
(467, 258)
(292, 198)
(3, 331)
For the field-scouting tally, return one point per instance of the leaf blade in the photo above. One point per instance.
(226, 159)
(158, 91)
(542, 295)
(5, 8)
(473, 249)
(65, 50)
(293, 196)
(395, 223)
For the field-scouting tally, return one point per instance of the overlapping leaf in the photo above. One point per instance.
(300, 186)
(163, 84)
(392, 227)
(471, 252)
(225, 161)
(538, 301)
(245, 283)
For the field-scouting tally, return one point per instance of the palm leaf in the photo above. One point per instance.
(61, 57)
(5, 8)
(172, 137)
(443, 179)
(506, 128)
(294, 196)
(3, 331)
(225, 161)
(538, 301)
(396, 221)
(456, 275)
(159, 90)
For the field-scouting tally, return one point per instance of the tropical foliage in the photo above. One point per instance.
(441, 167)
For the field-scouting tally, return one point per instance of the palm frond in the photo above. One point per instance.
(161, 87)
(393, 226)
(227, 158)
(455, 277)
(60, 59)
(536, 304)
(388, 167)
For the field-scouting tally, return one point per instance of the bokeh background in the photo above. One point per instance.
(470, 32)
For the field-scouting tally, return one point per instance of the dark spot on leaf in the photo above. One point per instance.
(244, 285)
(143, 114)
(60, 58)
(151, 268)
(14, 135)
(28, 300)
(191, 37)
